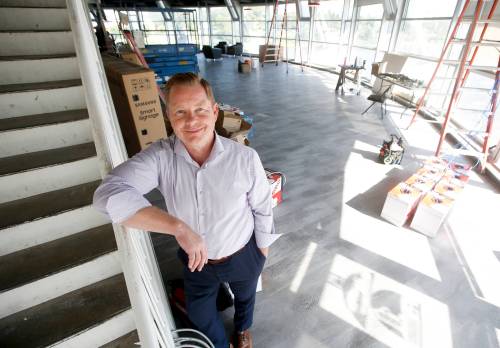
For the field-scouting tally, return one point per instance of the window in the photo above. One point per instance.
(222, 25)
(424, 27)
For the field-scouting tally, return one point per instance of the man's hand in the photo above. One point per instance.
(264, 251)
(194, 246)
(156, 220)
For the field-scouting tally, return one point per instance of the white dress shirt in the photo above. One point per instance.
(225, 200)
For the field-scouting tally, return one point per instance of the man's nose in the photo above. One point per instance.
(190, 116)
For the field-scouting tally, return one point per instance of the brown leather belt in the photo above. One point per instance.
(223, 259)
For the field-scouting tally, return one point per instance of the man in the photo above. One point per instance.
(218, 201)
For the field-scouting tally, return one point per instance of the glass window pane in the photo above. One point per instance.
(326, 31)
(205, 40)
(254, 13)
(304, 9)
(251, 44)
(290, 10)
(331, 9)
(254, 29)
(324, 54)
(304, 30)
(221, 28)
(371, 11)
(430, 8)
(360, 55)
(218, 38)
(203, 13)
(422, 37)
(204, 28)
(236, 30)
(157, 38)
(366, 34)
(219, 14)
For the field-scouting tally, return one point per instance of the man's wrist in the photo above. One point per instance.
(179, 229)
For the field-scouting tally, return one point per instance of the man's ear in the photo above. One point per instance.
(215, 109)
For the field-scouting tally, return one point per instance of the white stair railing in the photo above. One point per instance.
(152, 313)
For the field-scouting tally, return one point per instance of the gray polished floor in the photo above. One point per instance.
(340, 276)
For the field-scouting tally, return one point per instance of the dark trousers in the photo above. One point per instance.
(241, 271)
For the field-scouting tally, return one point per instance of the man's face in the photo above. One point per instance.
(192, 115)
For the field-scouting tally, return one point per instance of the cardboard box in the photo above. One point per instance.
(233, 126)
(135, 96)
(378, 68)
(422, 183)
(276, 182)
(431, 172)
(449, 187)
(245, 65)
(131, 57)
(400, 204)
(241, 136)
(232, 123)
(431, 213)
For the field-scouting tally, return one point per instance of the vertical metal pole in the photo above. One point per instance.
(461, 69)
(312, 11)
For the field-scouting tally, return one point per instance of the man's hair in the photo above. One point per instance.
(188, 79)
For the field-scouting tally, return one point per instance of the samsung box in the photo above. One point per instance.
(135, 96)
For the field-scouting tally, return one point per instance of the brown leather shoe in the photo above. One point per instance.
(243, 339)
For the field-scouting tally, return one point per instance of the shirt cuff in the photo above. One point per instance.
(264, 240)
(123, 205)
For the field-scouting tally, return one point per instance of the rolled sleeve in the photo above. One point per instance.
(120, 195)
(260, 201)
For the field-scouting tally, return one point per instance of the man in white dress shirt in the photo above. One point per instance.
(218, 201)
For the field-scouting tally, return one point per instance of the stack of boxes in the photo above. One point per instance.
(426, 197)
(232, 124)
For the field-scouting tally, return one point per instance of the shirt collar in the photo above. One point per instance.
(180, 149)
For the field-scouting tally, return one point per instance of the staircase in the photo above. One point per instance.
(61, 283)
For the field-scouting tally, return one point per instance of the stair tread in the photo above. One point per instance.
(36, 57)
(42, 119)
(28, 265)
(64, 316)
(46, 204)
(125, 341)
(24, 87)
(40, 159)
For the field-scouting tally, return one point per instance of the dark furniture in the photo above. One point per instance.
(223, 46)
(212, 52)
(235, 50)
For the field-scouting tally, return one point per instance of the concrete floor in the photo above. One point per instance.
(341, 276)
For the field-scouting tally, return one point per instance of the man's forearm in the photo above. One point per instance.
(155, 220)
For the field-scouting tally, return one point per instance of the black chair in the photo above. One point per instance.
(223, 46)
(235, 50)
(212, 52)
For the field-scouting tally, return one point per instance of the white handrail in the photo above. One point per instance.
(152, 313)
